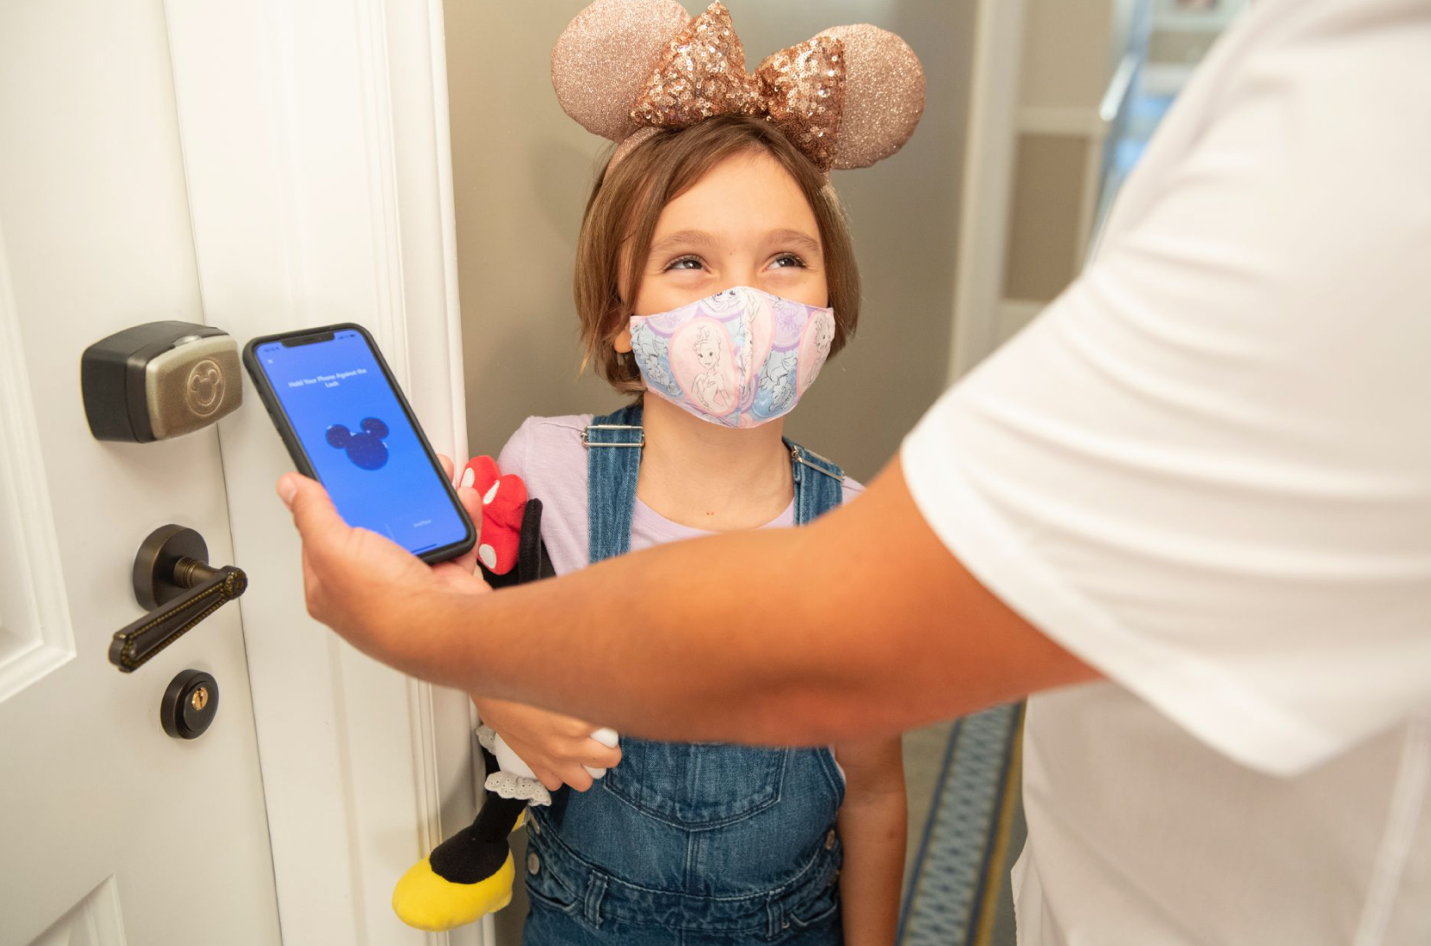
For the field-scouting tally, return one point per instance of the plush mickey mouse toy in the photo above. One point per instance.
(471, 873)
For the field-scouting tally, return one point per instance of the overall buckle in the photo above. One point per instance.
(587, 442)
(798, 453)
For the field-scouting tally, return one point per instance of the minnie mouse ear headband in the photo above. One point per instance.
(627, 68)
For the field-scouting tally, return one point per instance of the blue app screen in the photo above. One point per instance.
(360, 442)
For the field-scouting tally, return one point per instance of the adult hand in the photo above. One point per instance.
(556, 748)
(363, 585)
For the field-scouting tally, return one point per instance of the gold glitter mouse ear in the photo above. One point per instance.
(883, 95)
(625, 68)
(604, 57)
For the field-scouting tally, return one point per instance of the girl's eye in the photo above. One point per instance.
(788, 260)
(684, 262)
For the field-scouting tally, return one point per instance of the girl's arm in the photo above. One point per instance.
(873, 825)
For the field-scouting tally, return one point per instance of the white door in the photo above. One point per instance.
(259, 166)
(111, 831)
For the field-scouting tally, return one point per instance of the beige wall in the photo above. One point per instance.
(522, 171)
(1046, 226)
(1066, 59)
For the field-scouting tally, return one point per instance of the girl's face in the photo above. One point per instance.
(745, 223)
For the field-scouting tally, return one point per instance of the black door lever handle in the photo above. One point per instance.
(173, 578)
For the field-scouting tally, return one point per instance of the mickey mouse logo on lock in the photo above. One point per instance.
(159, 380)
(205, 388)
(365, 449)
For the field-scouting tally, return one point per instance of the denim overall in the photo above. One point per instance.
(679, 843)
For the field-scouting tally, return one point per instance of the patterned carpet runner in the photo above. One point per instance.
(961, 873)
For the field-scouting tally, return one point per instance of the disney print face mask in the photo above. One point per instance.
(738, 358)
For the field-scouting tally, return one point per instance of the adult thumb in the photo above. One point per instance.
(313, 511)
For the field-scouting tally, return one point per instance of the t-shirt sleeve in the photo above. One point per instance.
(515, 452)
(547, 453)
(1206, 468)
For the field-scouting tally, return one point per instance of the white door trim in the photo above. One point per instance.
(315, 141)
(988, 179)
(37, 573)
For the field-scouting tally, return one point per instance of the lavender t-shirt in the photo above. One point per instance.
(547, 453)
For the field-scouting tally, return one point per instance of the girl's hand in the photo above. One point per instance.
(556, 747)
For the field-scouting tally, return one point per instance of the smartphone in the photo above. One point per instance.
(346, 424)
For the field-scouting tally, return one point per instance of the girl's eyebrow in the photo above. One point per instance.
(700, 238)
(802, 241)
(682, 238)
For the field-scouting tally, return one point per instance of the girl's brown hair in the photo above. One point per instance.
(621, 219)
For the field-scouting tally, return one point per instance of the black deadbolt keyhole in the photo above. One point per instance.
(190, 704)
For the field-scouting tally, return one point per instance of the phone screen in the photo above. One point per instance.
(359, 440)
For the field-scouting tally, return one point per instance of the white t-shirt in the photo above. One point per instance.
(1206, 471)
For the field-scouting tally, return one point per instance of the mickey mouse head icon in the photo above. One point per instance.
(366, 449)
(205, 387)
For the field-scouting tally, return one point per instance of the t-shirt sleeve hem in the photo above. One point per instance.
(512, 458)
(1192, 691)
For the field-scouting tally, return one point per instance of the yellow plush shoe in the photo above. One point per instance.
(426, 900)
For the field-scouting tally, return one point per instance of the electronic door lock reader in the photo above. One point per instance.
(159, 380)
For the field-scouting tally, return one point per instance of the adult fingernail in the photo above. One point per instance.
(287, 487)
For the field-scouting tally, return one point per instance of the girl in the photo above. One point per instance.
(714, 275)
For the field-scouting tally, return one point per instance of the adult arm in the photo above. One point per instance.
(861, 624)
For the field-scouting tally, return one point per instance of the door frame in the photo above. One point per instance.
(988, 183)
(316, 148)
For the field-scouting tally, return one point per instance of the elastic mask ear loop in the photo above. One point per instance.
(630, 367)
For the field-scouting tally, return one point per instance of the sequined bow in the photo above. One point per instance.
(702, 74)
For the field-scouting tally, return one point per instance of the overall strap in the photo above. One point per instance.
(613, 459)
(819, 483)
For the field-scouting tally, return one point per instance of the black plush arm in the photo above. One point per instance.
(533, 562)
